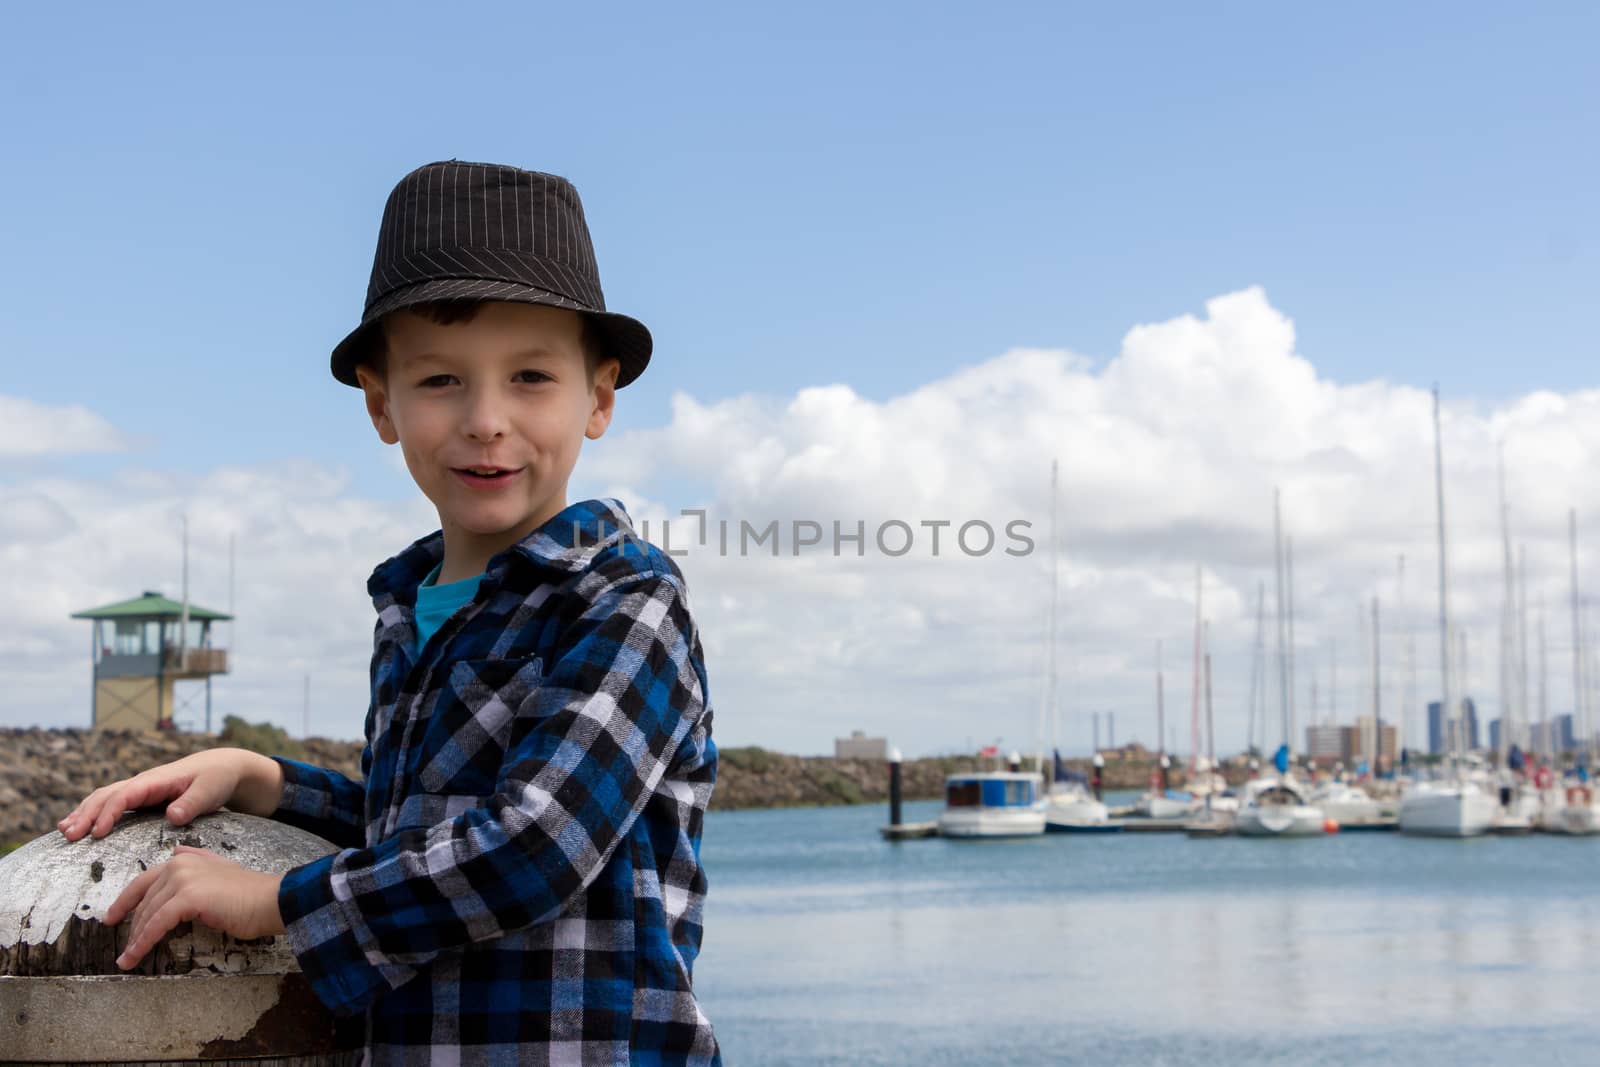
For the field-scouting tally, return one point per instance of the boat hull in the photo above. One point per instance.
(992, 822)
(1071, 814)
(1576, 820)
(1447, 811)
(1279, 820)
(1159, 807)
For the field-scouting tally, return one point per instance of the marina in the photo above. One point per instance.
(1143, 948)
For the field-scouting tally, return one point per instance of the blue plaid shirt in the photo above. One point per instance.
(519, 879)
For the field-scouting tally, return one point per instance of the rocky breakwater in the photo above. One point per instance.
(44, 773)
(759, 778)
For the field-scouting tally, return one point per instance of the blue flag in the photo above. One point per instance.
(1280, 759)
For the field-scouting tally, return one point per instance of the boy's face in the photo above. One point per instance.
(505, 392)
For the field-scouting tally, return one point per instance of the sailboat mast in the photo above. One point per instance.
(1507, 616)
(1544, 689)
(1257, 665)
(1194, 708)
(1283, 666)
(1403, 718)
(1161, 723)
(1333, 680)
(1377, 700)
(1050, 683)
(1445, 709)
(1522, 641)
(1579, 712)
(1288, 575)
(1211, 734)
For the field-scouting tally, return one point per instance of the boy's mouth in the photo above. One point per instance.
(485, 476)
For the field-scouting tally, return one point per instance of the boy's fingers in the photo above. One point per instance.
(153, 904)
(155, 928)
(129, 898)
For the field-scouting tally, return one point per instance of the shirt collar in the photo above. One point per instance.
(566, 542)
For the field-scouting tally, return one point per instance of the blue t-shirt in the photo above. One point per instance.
(436, 603)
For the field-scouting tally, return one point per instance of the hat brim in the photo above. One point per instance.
(625, 338)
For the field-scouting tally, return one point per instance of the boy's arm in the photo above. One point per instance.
(608, 717)
(322, 801)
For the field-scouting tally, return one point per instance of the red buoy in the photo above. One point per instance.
(1329, 826)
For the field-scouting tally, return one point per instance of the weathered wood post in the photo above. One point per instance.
(199, 997)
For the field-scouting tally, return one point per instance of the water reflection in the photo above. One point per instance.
(1140, 948)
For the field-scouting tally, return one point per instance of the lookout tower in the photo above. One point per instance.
(141, 649)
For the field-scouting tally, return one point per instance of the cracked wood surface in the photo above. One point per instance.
(54, 894)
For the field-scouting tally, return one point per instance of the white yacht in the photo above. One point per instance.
(1277, 807)
(1169, 805)
(1071, 808)
(1346, 804)
(1569, 810)
(993, 804)
(1448, 808)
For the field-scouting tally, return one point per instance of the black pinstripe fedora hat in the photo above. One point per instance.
(481, 231)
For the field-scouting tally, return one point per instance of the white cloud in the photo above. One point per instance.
(29, 429)
(1169, 456)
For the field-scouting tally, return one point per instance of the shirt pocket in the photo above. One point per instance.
(465, 743)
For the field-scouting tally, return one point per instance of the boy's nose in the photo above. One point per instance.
(485, 416)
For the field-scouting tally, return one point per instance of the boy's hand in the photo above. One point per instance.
(195, 785)
(200, 886)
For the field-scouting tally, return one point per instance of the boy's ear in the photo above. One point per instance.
(377, 397)
(603, 398)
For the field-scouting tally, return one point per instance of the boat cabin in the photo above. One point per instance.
(992, 789)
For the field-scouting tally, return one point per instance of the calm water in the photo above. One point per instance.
(826, 945)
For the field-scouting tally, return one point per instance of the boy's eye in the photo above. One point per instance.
(436, 381)
(532, 376)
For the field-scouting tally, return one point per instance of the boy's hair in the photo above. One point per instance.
(465, 309)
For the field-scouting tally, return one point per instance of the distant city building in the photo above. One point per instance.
(1442, 732)
(859, 746)
(1324, 744)
(1361, 742)
(1566, 736)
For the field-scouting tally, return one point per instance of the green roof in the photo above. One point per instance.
(152, 606)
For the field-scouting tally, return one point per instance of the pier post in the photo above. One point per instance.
(894, 787)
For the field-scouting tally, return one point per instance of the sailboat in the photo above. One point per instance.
(1457, 806)
(1279, 807)
(1070, 806)
(1570, 806)
(1160, 802)
(1009, 803)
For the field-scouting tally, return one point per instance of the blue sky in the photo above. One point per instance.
(867, 194)
(870, 196)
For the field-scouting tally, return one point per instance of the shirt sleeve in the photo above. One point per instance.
(605, 722)
(322, 801)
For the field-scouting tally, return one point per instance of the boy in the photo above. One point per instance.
(518, 878)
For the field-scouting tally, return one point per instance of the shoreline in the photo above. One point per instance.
(45, 772)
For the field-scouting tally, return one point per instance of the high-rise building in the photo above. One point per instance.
(1359, 742)
(1442, 732)
(1325, 744)
(1566, 737)
(1469, 721)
